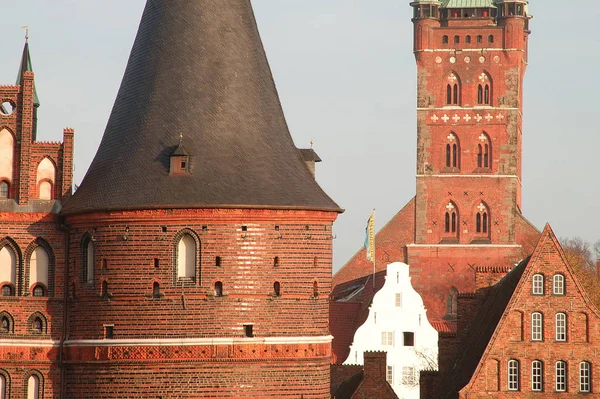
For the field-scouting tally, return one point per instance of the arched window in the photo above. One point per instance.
(484, 90)
(3, 388)
(452, 302)
(88, 259)
(560, 376)
(7, 290)
(561, 327)
(482, 219)
(491, 39)
(452, 151)
(277, 288)
(7, 142)
(5, 326)
(537, 381)
(537, 284)
(484, 150)
(155, 290)
(456, 39)
(537, 330)
(33, 387)
(218, 288)
(585, 377)
(444, 39)
(186, 257)
(468, 39)
(315, 289)
(451, 219)
(4, 189)
(558, 285)
(37, 326)
(452, 90)
(513, 375)
(479, 39)
(38, 290)
(46, 175)
(105, 294)
(38, 269)
(8, 267)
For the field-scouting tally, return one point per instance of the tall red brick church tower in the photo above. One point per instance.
(471, 60)
(194, 261)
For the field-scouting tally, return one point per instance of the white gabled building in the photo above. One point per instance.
(397, 324)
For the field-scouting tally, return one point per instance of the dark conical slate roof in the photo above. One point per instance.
(198, 69)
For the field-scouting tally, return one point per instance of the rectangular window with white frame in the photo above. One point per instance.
(399, 300)
(390, 375)
(561, 327)
(513, 375)
(536, 326)
(558, 284)
(538, 284)
(409, 376)
(585, 377)
(561, 377)
(387, 338)
(537, 381)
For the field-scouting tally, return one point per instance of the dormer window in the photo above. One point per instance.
(180, 160)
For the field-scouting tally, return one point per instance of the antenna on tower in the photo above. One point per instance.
(26, 27)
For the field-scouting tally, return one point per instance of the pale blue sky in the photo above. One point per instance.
(346, 76)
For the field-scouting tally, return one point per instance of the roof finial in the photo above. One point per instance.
(311, 143)
(180, 138)
(26, 32)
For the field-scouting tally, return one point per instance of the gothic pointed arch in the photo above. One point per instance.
(482, 221)
(7, 150)
(33, 385)
(450, 225)
(451, 153)
(37, 323)
(10, 267)
(39, 268)
(483, 149)
(452, 87)
(186, 260)
(45, 179)
(452, 303)
(484, 89)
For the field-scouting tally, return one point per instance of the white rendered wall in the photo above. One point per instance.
(394, 318)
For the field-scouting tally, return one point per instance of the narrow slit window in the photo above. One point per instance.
(249, 330)
(218, 289)
(277, 288)
(155, 290)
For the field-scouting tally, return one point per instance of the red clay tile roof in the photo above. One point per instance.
(198, 68)
(444, 326)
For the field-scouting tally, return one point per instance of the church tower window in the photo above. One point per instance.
(4, 189)
(88, 259)
(482, 219)
(452, 90)
(186, 257)
(484, 152)
(451, 219)
(484, 89)
(452, 152)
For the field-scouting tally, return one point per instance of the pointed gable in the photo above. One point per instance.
(502, 329)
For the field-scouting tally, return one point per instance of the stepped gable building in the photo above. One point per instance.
(194, 261)
(35, 180)
(471, 59)
(531, 334)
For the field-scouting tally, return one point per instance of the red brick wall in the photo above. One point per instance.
(513, 337)
(126, 244)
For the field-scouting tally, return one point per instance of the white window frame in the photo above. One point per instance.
(558, 284)
(585, 377)
(537, 284)
(387, 338)
(537, 326)
(560, 376)
(399, 300)
(561, 327)
(389, 376)
(409, 376)
(537, 373)
(513, 375)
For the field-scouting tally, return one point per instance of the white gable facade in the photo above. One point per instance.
(397, 324)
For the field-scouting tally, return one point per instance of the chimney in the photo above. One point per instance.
(375, 365)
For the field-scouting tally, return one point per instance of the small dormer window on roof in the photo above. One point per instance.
(179, 160)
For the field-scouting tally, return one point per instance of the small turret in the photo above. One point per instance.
(26, 66)
(426, 16)
(514, 16)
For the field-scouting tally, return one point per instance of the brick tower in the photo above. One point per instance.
(471, 59)
(35, 179)
(200, 243)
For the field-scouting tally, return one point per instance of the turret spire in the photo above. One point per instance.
(26, 66)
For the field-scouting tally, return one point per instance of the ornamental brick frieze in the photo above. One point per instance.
(235, 352)
(462, 117)
(26, 353)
